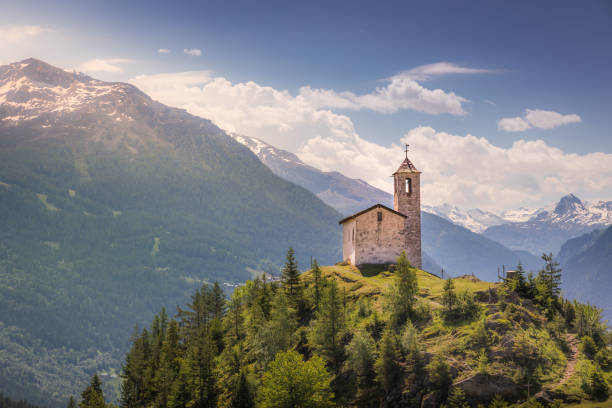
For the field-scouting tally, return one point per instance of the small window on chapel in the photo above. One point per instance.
(380, 216)
(408, 186)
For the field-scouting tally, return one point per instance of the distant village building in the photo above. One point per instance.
(379, 234)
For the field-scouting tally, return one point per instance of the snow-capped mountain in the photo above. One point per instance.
(31, 90)
(568, 213)
(475, 220)
(547, 229)
(345, 194)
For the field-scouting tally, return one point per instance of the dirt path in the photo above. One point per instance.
(572, 342)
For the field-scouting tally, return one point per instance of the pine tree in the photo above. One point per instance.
(449, 297)
(439, 375)
(404, 291)
(217, 301)
(456, 399)
(242, 396)
(551, 275)
(361, 354)
(291, 279)
(71, 402)
(93, 397)
(316, 273)
(388, 370)
(276, 334)
(169, 365)
(328, 327)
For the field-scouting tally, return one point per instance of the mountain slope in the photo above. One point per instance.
(548, 230)
(587, 273)
(112, 205)
(460, 251)
(345, 194)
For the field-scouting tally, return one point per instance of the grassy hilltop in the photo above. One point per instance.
(374, 337)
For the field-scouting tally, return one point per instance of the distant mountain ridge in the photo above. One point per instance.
(548, 230)
(345, 194)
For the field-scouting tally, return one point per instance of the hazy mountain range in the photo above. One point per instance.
(345, 194)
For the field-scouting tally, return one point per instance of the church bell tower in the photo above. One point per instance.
(407, 200)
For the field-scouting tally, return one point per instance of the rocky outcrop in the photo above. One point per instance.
(482, 388)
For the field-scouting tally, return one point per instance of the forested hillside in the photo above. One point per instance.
(341, 336)
(112, 205)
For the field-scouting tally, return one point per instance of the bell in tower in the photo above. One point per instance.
(407, 200)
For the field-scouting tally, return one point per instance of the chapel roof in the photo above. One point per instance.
(342, 221)
(407, 167)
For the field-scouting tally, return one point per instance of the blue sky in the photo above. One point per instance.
(546, 56)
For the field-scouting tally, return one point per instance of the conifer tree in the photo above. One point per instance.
(291, 279)
(439, 375)
(388, 370)
(361, 354)
(317, 282)
(71, 402)
(404, 291)
(328, 327)
(551, 275)
(276, 334)
(169, 365)
(93, 397)
(242, 396)
(456, 399)
(449, 297)
(217, 301)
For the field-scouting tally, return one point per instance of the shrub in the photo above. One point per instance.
(588, 347)
(598, 386)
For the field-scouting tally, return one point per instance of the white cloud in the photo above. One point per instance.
(194, 52)
(464, 170)
(468, 171)
(16, 33)
(538, 118)
(549, 119)
(516, 124)
(163, 51)
(103, 65)
(424, 72)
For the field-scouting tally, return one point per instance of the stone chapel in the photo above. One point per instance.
(379, 234)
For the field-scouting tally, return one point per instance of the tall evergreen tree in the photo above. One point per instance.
(71, 403)
(317, 283)
(329, 324)
(403, 292)
(169, 365)
(217, 301)
(388, 370)
(242, 396)
(291, 279)
(551, 275)
(449, 297)
(93, 397)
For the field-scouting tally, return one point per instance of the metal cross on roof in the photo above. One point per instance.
(406, 150)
